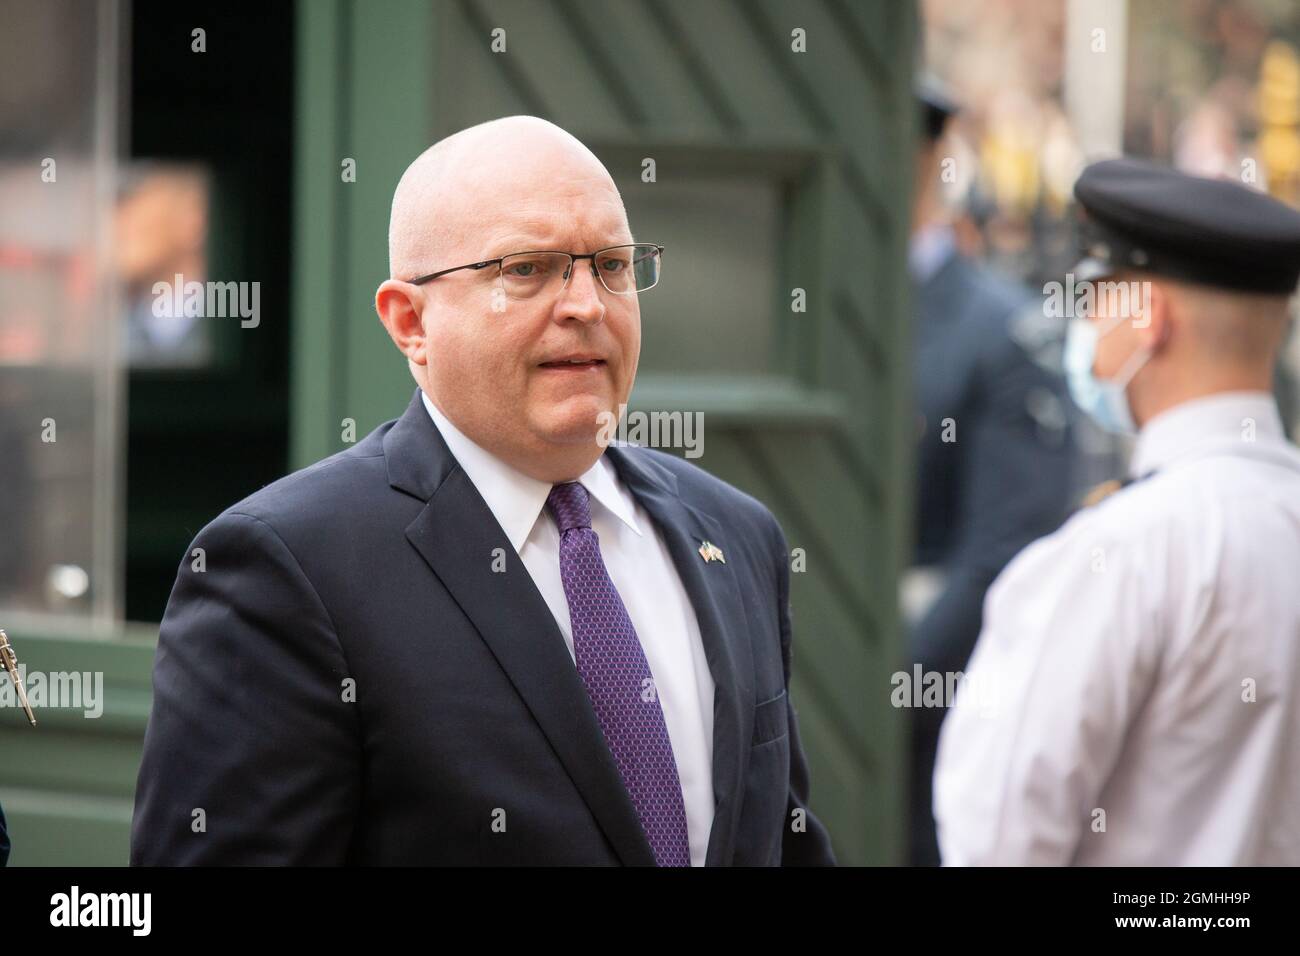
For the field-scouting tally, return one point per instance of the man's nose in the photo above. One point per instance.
(580, 298)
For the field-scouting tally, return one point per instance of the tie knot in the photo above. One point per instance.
(568, 504)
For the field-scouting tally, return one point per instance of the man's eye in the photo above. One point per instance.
(613, 265)
(524, 270)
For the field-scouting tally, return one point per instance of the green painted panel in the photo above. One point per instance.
(316, 220)
(49, 829)
(365, 95)
(68, 784)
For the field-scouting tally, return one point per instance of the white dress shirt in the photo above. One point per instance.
(1144, 661)
(643, 572)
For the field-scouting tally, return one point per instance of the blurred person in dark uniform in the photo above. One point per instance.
(4, 839)
(994, 450)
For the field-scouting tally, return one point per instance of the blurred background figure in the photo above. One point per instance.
(993, 455)
(1211, 87)
(162, 227)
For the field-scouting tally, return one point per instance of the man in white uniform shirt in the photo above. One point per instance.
(1139, 670)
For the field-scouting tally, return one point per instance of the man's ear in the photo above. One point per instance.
(399, 305)
(1157, 328)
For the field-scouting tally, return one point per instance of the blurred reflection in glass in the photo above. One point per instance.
(161, 233)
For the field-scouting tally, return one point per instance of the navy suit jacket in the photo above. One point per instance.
(349, 681)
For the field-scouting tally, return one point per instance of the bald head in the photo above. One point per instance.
(474, 186)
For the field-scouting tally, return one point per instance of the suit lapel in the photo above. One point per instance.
(715, 597)
(934, 296)
(457, 535)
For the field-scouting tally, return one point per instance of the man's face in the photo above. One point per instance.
(498, 367)
(925, 182)
(1119, 313)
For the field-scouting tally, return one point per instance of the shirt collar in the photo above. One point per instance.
(1204, 423)
(929, 249)
(515, 499)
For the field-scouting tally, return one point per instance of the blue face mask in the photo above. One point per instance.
(1103, 399)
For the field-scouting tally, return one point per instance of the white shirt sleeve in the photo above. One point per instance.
(1064, 661)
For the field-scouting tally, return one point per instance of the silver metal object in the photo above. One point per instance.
(10, 663)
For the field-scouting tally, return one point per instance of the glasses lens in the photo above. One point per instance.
(530, 273)
(626, 269)
(646, 264)
(622, 269)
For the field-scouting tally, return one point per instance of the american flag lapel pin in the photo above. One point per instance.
(711, 552)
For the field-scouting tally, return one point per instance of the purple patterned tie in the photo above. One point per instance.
(613, 667)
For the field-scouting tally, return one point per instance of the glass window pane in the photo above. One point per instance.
(60, 380)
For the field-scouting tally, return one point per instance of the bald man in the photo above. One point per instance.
(1133, 697)
(481, 636)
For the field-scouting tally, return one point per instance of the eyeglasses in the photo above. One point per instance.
(623, 270)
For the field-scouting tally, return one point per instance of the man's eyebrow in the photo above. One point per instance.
(520, 242)
(543, 240)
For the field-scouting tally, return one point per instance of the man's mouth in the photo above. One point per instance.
(575, 363)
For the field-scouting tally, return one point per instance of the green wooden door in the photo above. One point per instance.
(794, 165)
